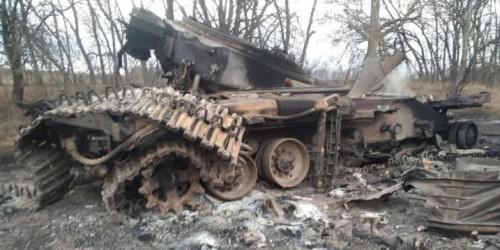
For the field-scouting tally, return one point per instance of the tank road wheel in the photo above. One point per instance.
(467, 135)
(258, 159)
(285, 162)
(170, 185)
(463, 134)
(235, 182)
(51, 172)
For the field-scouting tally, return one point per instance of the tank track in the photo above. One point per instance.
(18, 190)
(197, 119)
(50, 167)
(113, 187)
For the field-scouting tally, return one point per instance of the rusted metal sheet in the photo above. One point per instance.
(461, 200)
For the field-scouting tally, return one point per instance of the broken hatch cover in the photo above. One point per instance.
(465, 200)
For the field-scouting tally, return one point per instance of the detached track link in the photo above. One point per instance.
(51, 172)
(130, 169)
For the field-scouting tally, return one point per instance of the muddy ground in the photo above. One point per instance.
(268, 217)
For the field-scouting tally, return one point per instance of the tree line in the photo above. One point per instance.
(67, 37)
(447, 40)
(47, 36)
(76, 41)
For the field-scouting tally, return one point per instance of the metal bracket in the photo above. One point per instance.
(101, 122)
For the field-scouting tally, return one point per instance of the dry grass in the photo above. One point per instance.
(439, 90)
(37, 92)
(11, 118)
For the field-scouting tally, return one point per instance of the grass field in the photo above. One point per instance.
(11, 117)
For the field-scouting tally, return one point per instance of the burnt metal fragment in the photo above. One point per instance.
(462, 200)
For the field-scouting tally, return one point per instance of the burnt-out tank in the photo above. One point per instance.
(228, 113)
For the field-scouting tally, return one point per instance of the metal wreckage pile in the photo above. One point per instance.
(231, 112)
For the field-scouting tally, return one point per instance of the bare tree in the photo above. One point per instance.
(94, 21)
(372, 28)
(447, 40)
(236, 17)
(169, 8)
(466, 27)
(284, 23)
(116, 35)
(75, 27)
(374, 32)
(11, 38)
(309, 33)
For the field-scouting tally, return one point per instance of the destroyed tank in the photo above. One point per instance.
(228, 113)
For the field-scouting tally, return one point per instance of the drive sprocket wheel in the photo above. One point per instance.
(170, 185)
(168, 174)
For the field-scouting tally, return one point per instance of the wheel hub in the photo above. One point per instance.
(167, 178)
(463, 134)
(230, 182)
(283, 161)
(170, 185)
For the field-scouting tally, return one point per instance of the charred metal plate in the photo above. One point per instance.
(462, 200)
(460, 102)
(223, 61)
